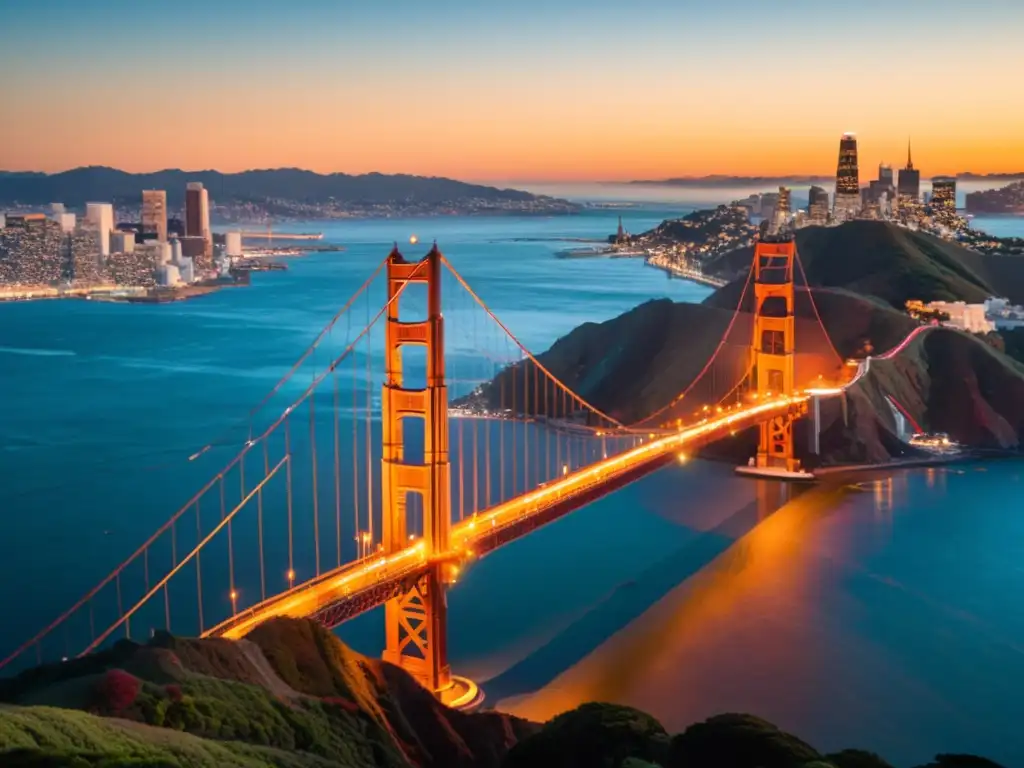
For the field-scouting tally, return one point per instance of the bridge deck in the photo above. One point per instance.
(357, 587)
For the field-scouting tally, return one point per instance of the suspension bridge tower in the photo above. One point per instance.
(416, 620)
(773, 347)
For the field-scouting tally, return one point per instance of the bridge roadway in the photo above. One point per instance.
(356, 587)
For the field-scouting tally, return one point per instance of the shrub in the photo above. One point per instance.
(116, 690)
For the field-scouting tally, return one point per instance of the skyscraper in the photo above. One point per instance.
(817, 205)
(909, 185)
(100, 216)
(847, 200)
(781, 216)
(154, 213)
(944, 192)
(197, 217)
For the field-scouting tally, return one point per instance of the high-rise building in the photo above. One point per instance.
(100, 217)
(781, 216)
(817, 206)
(66, 221)
(909, 183)
(233, 243)
(769, 200)
(154, 212)
(944, 192)
(197, 218)
(847, 199)
(885, 174)
(122, 241)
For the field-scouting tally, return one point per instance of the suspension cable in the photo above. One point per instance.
(209, 484)
(522, 347)
(707, 365)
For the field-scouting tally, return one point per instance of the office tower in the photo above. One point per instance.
(66, 221)
(176, 250)
(233, 243)
(197, 218)
(122, 241)
(885, 174)
(847, 200)
(768, 202)
(944, 192)
(194, 248)
(154, 213)
(817, 206)
(909, 184)
(781, 215)
(101, 217)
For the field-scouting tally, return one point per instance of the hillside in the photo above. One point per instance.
(637, 362)
(289, 694)
(634, 364)
(875, 258)
(293, 696)
(80, 185)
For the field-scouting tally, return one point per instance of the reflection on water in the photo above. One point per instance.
(883, 619)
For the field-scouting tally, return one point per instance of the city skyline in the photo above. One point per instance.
(595, 92)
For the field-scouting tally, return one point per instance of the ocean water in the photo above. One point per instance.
(103, 404)
(886, 619)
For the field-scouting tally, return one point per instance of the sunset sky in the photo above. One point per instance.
(527, 90)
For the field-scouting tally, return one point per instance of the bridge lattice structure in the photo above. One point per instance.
(364, 491)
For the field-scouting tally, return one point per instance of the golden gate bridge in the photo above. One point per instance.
(295, 527)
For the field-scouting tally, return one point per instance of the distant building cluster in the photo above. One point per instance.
(59, 248)
(892, 197)
(993, 315)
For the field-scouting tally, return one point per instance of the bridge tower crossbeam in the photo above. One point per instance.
(416, 620)
(773, 346)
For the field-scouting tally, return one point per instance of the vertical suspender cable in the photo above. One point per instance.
(337, 469)
(288, 481)
(199, 569)
(316, 500)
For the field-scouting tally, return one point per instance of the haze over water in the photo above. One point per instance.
(887, 620)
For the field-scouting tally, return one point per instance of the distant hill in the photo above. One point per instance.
(717, 180)
(875, 258)
(722, 180)
(81, 185)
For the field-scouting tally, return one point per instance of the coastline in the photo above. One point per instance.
(115, 294)
(683, 273)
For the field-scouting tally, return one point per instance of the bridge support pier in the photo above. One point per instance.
(416, 621)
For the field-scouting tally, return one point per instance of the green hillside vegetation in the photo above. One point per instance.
(876, 258)
(293, 696)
